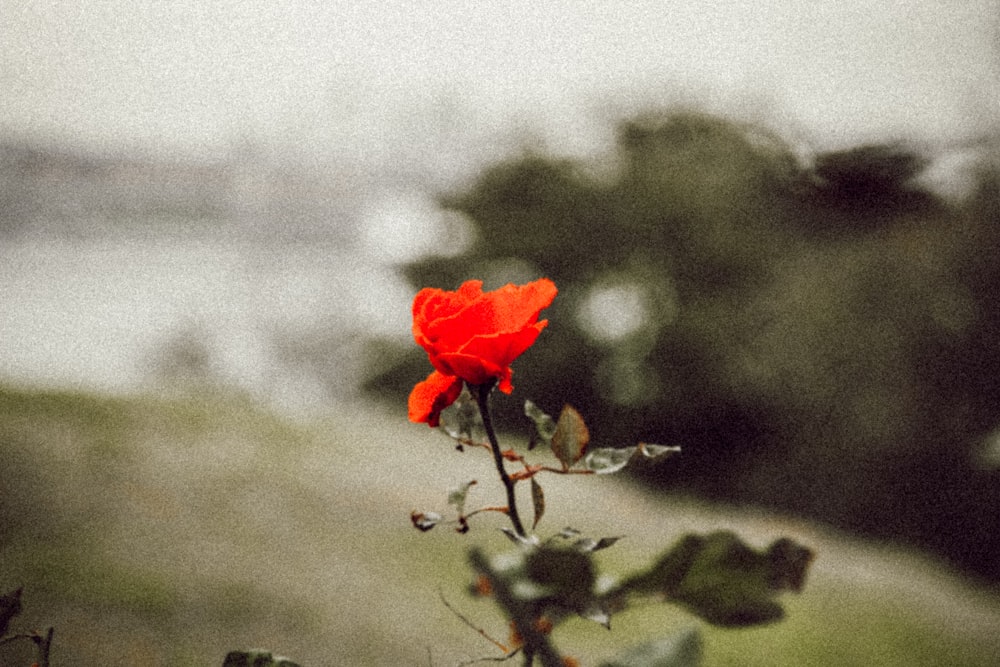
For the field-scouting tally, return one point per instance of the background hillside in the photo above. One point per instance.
(160, 531)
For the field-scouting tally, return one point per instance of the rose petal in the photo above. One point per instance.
(433, 395)
(473, 336)
(432, 304)
(503, 348)
(510, 308)
(472, 369)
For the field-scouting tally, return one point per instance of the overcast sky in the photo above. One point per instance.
(356, 76)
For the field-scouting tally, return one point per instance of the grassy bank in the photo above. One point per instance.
(167, 531)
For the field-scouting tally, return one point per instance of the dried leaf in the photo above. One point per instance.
(538, 501)
(424, 521)
(569, 442)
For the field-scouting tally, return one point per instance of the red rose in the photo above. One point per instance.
(473, 336)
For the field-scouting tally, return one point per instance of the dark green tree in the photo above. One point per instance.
(813, 333)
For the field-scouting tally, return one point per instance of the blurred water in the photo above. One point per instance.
(426, 91)
(114, 311)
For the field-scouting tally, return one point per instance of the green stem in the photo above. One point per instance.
(482, 393)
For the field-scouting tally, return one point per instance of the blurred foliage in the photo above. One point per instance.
(817, 334)
(256, 659)
(219, 525)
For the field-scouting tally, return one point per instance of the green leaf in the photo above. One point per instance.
(584, 544)
(256, 658)
(524, 541)
(10, 606)
(458, 495)
(461, 419)
(681, 650)
(597, 613)
(569, 442)
(545, 426)
(607, 460)
(789, 563)
(537, 501)
(656, 452)
(589, 544)
(566, 533)
(567, 576)
(724, 581)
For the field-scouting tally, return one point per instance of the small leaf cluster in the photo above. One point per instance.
(568, 438)
(424, 521)
(717, 577)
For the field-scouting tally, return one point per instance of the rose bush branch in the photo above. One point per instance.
(521, 612)
(471, 338)
(482, 393)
